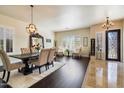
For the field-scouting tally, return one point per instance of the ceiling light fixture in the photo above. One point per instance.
(31, 28)
(108, 24)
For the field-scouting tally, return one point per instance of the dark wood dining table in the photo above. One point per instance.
(25, 59)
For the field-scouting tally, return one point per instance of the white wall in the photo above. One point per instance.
(20, 34)
(47, 35)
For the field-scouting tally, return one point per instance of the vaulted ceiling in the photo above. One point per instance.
(63, 17)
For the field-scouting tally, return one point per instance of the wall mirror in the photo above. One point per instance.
(36, 41)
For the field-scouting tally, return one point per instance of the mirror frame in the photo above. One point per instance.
(36, 35)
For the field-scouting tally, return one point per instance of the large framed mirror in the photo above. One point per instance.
(36, 41)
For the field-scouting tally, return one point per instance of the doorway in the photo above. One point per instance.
(113, 45)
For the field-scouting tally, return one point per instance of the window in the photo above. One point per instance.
(72, 42)
(6, 39)
(77, 41)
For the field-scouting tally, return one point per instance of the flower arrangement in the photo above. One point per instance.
(37, 47)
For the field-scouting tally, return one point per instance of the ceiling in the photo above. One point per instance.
(63, 17)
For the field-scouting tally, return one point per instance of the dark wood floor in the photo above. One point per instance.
(70, 75)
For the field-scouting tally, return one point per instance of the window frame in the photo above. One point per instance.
(5, 32)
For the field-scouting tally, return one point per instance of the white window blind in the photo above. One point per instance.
(72, 42)
(6, 39)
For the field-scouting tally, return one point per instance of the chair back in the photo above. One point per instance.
(25, 51)
(43, 57)
(78, 50)
(51, 55)
(5, 59)
(33, 50)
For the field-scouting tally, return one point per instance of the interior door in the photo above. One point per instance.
(113, 45)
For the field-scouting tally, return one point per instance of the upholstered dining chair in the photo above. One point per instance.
(59, 52)
(7, 65)
(51, 57)
(25, 51)
(43, 59)
(33, 50)
(77, 53)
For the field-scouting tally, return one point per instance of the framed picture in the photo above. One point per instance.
(85, 41)
(48, 40)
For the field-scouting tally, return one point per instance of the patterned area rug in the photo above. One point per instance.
(18, 80)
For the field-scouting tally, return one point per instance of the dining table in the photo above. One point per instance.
(26, 58)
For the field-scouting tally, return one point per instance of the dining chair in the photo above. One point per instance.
(51, 57)
(77, 53)
(29, 51)
(33, 50)
(1, 69)
(43, 59)
(59, 52)
(25, 51)
(7, 65)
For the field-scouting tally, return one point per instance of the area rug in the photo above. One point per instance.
(18, 80)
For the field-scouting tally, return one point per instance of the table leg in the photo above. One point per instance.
(26, 70)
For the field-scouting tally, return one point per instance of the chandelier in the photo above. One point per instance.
(108, 24)
(31, 28)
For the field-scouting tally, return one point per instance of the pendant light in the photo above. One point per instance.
(31, 28)
(108, 24)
